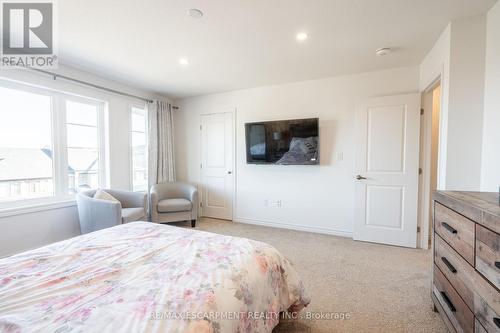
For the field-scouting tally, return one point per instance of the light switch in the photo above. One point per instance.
(339, 156)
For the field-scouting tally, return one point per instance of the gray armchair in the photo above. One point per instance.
(173, 202)
(98, 214)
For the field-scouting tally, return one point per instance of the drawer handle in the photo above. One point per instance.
(497, 264)
(448, 302)
(497, 322)
(449, 265)
(449, 228)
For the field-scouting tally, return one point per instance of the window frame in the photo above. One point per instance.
(144, 107)
(101, 136)
(60, 197)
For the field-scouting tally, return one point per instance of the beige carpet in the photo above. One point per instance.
(382, 288)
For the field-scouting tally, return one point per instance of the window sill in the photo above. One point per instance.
(33, 208)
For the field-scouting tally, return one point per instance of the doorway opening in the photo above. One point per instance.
(429, 159)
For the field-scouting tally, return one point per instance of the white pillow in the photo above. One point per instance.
(103, 195)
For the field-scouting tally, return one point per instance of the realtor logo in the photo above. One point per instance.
(28, 34)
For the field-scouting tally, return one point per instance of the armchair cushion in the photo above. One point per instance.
(133, 214)
(174, 205)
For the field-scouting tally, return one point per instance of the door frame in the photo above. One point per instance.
(222, 110)
(424, 195)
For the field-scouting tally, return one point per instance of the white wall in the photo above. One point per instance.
(315, 198)
(436, 65)
(26, 231)
(466, 103)
(458, 57)
(490, 175)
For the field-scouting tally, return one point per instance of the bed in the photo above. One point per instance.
(146, 277)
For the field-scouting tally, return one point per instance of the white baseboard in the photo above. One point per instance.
(307, 228)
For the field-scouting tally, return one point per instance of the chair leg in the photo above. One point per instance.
(193, 223)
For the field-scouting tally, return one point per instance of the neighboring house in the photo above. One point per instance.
(28, 172)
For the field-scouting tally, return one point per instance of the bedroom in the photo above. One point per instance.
(143, 94)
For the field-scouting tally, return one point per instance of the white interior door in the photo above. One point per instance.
(386, 172)
(217, 165)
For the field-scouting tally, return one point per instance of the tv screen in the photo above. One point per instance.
(283, 142)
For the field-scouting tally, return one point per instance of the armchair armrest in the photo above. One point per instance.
(190, 193)
(193, 195)
(130, 199)
(154, 197)
(97, 214)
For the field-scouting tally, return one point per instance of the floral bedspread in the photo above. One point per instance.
(145, 277)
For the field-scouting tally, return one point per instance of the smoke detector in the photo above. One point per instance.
(383, 51)
(195, 13)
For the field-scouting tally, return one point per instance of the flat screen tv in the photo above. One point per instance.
(283, 142)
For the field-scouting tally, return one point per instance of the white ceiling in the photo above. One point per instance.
(247, 43)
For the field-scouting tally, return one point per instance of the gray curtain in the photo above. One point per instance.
(161, 163)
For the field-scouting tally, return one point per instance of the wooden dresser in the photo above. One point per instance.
(466, 269)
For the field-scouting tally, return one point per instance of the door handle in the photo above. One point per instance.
(229, 172)
(359, 177)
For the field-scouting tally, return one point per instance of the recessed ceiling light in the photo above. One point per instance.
(383, 51)
(301, 36)
(195, 13)
(183, 62)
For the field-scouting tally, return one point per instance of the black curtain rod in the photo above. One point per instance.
(67, 78)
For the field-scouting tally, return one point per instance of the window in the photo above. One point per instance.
(26, 166)
(138, 149)
(82, 145)
(50, 144)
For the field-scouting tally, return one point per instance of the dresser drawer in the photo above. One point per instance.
(455, 269)
(456, 230)
(457, 311)
(488, 254)
(492, 222)
(486, 304)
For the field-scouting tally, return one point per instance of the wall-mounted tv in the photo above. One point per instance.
(283, 142)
